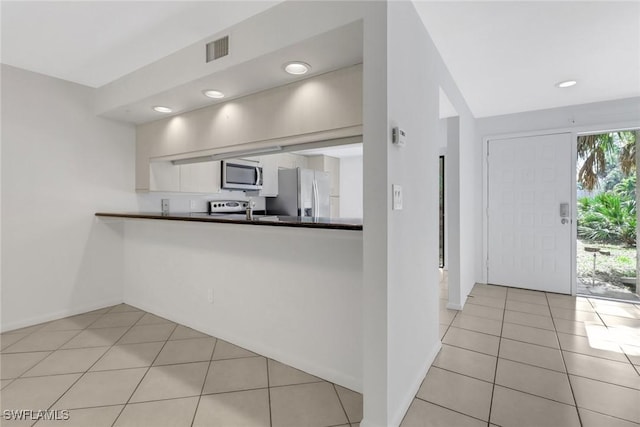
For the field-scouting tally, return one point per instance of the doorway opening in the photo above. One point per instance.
(606, 251)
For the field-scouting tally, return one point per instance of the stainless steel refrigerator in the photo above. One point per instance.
(301, 192)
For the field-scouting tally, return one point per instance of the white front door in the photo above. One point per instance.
(529, 242)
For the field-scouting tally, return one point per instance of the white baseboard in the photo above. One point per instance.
(413, 390)
(340, 378)
(452, 306)
(56, 315)
(365, 423)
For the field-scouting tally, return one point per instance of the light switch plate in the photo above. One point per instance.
(397, 197)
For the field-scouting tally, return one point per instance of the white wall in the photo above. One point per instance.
(288, 293)
(351, 187)
(400, 256)
(60, 165)
(594, 116)
(464, 193)
(416, 73)
(413, 104)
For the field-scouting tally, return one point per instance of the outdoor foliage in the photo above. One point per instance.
(598, 153)
(608, 217)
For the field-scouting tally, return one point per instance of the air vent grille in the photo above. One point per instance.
(218, 48)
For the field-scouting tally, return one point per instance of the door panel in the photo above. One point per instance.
(528, 244)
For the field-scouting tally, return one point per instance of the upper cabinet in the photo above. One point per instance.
(164, 176)
(191, 178)
(327, 106)
(271, 164)
(200, 177)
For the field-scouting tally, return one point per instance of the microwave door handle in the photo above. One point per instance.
(258, 175)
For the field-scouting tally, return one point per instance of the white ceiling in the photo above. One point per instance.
(333, 50)
(96, 42)
(505, 56)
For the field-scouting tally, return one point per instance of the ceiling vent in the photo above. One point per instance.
(217, 48)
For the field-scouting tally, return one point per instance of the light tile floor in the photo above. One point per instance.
(120, 366)
(510, 358)
(521, 358)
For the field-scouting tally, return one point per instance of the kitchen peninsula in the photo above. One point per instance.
(272, 220)
(291, 293)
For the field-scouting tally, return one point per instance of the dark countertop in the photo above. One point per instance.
(269, 220)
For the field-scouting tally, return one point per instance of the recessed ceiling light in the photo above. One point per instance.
(567, 83)
(213, 93)
(161, 109)
(297, 67)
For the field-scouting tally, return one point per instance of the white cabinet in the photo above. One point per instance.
(200, 177)
(270, 164)
(190, 178)
(299, 161)
(164, 176)
(332, 165)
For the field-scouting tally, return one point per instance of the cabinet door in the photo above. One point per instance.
(315, 162)
(332, 165)
(285, 161)
(300, 161)
(269, 175)
(200, 177)
(164, 176)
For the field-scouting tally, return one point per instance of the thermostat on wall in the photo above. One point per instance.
(399, 137)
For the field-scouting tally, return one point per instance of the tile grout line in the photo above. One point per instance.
(341, 404)
(564, 362)
(78, 332)
(206, 374)
(85, 372)
(495, 372)
(452, 410)
(146, 372)
(617, 344)
(449, 326)
(269, 394)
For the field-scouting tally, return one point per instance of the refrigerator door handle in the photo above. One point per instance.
(314, 200)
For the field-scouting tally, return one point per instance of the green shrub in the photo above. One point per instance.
(607, 218)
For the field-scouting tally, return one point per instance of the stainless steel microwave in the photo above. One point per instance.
(241, 175)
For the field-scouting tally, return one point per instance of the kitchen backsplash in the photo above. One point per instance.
(191, 202)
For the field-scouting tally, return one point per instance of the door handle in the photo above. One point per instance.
(564, 210)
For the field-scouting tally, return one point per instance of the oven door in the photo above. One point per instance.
(241, 175)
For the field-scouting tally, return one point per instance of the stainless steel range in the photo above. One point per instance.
(227, 206)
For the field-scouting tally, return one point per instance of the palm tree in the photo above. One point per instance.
(595, 149)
